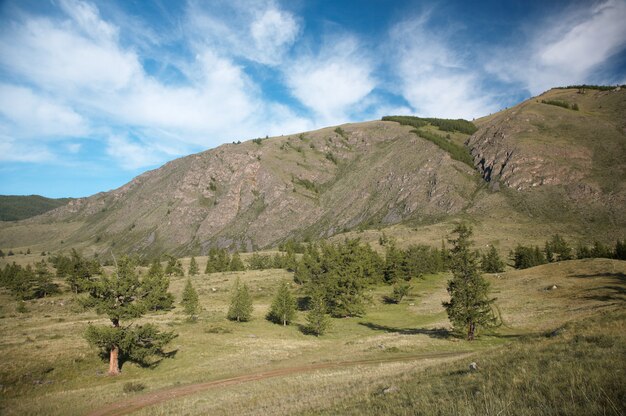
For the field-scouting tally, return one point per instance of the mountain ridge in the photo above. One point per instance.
(535, 160)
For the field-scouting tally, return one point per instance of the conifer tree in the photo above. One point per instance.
(283, 308)
(317, 319)
(119, 297)
(222, 261)
(491, 262)
(241, 303)
(394, 264)
(174, 267)
(400, 290)
(190, 300)
(557, 249)
(210, 262)
(155, 287)
(193, 267)
(470, 306)
(236, 265)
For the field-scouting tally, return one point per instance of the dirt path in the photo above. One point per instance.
(159, 396)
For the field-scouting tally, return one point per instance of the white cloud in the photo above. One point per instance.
(73, 148)
(565, 49)
(333, 81)
(273, 32)
(132, 155)
(32, 115)
(60, 57)
(259, 31)
(433, 79)
(12, 150)
(103, 85)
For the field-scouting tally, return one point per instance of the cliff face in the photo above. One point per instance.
(578, 155)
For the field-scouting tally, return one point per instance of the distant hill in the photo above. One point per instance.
(554, 163)
(18, 207)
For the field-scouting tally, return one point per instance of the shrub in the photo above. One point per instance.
(132, 387)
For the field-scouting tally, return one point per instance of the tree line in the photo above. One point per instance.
(558, 249)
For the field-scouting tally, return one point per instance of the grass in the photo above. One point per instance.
(58, 379)
(572, 373)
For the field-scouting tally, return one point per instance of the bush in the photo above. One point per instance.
(132, 387)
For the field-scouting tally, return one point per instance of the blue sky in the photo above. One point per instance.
(93, 93)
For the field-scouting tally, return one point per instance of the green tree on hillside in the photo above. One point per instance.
(318, 322)
(400, 290)
(193, 267)
(190, 300)
(470, 306)
(527, 256)
(283, 308)
(155, 287)
(240, 309)
(491, 262)
(174, 267)
(236, 265)
(119, 297)
(557, 249)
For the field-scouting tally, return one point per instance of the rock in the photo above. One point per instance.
(553, 287)
(390, 389)
(213, 289)
(473, 366)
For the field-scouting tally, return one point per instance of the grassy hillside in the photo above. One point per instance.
(279, 370)
(18, 207)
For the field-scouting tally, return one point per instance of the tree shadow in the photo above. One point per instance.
(619, 276)
(616, 292)
(440, 333)
(303, 303)
(144, 363)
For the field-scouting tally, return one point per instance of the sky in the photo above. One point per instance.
(94, 93)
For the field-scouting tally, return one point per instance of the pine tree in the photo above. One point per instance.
(491, 262)
(241, 303)
(222, 261)
(400, 290)
(557, 249)
(394, 264)
(119, 297)
(236, 265)
(190, 300)
(317, 319)
(620, 250)
(469, 306)
(283, 308)
(210, 262)
(155, 287)
(193, 267)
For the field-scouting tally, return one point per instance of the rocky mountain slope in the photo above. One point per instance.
(537, 160)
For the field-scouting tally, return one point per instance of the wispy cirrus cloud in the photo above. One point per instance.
(259, 31)
(332, 81)
(81, 58)
(433, 75)
(565, 50)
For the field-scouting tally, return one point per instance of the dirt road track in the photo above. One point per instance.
(136, 403)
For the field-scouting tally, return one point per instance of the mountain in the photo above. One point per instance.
(18, 207)
(538, 168)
